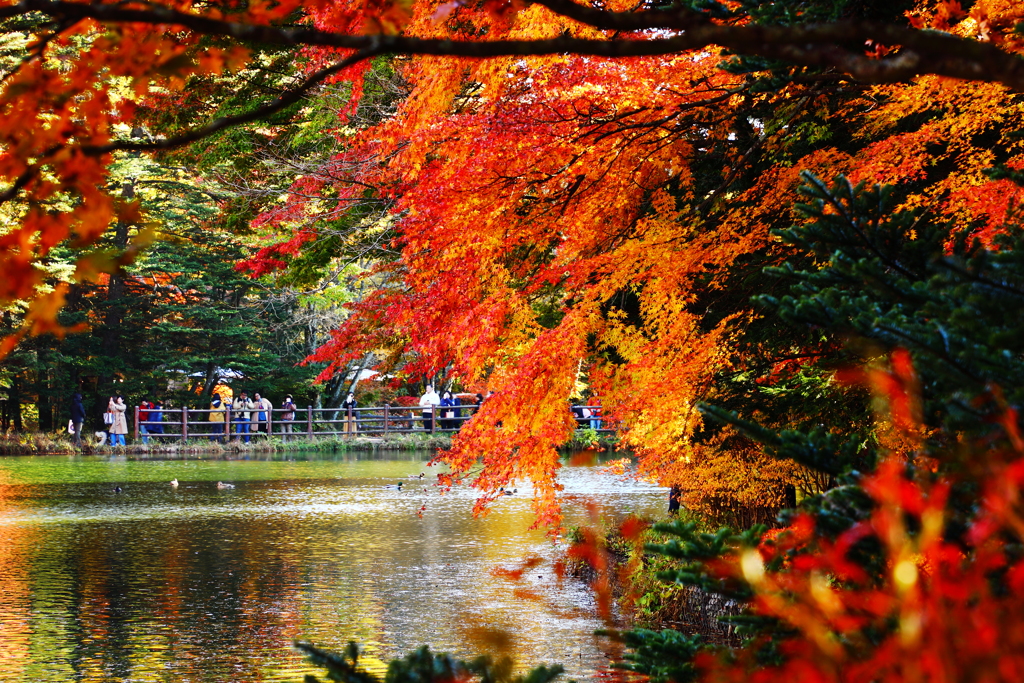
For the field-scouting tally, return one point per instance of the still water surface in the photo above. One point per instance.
(200, 584)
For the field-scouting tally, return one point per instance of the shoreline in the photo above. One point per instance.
(14, 444)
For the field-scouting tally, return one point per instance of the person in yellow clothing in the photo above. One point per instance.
(217, 411)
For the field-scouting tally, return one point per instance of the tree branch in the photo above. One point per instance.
(276, 105)
(817, 45)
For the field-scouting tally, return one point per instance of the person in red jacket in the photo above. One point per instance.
(144, 408)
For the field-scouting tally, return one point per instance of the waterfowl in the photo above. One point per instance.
(174, 482)
(117, 489)
(416, 476)
(222, 485)
(397, 486)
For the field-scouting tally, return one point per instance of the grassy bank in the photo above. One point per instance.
(38, 444)
(35, 444)
(589, 439)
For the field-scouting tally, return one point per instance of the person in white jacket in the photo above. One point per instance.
(263, 407)
(427, 402)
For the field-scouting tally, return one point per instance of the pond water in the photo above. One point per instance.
(195, 583)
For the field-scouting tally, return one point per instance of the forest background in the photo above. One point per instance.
(778, 240)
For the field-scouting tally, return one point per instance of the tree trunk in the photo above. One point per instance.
(209, 383)
(99, 401)
(335, 400)
(15, 404)
(44, 404)
(355, 378)
(115, 305)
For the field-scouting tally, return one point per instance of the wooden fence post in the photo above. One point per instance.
(227, 424)
(385, 419)
(184, 423)
(349, 427)
(136, 430)
(309, 422)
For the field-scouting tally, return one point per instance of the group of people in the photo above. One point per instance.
(448, 410)
(448, 407)
(249, 415)
(115, 421)
(254, 415)
(151, 417)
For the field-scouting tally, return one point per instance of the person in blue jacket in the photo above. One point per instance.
(449, 411)
(156, 418)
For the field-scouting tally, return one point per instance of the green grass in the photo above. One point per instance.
(38, 443)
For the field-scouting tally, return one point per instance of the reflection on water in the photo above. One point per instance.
(200, 584)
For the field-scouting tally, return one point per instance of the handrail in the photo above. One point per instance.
(307, 423)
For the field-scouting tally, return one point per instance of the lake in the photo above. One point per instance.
(195, 583)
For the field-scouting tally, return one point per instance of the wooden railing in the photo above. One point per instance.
(310, 423)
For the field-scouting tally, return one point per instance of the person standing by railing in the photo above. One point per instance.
(263, 408)
(119, 427)
(448, 414)
(241, 412)
(217, 412)
(144, 409)
(156, 418)
(427, 402)
(350, 426)
(287, 417)
(595, 412)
